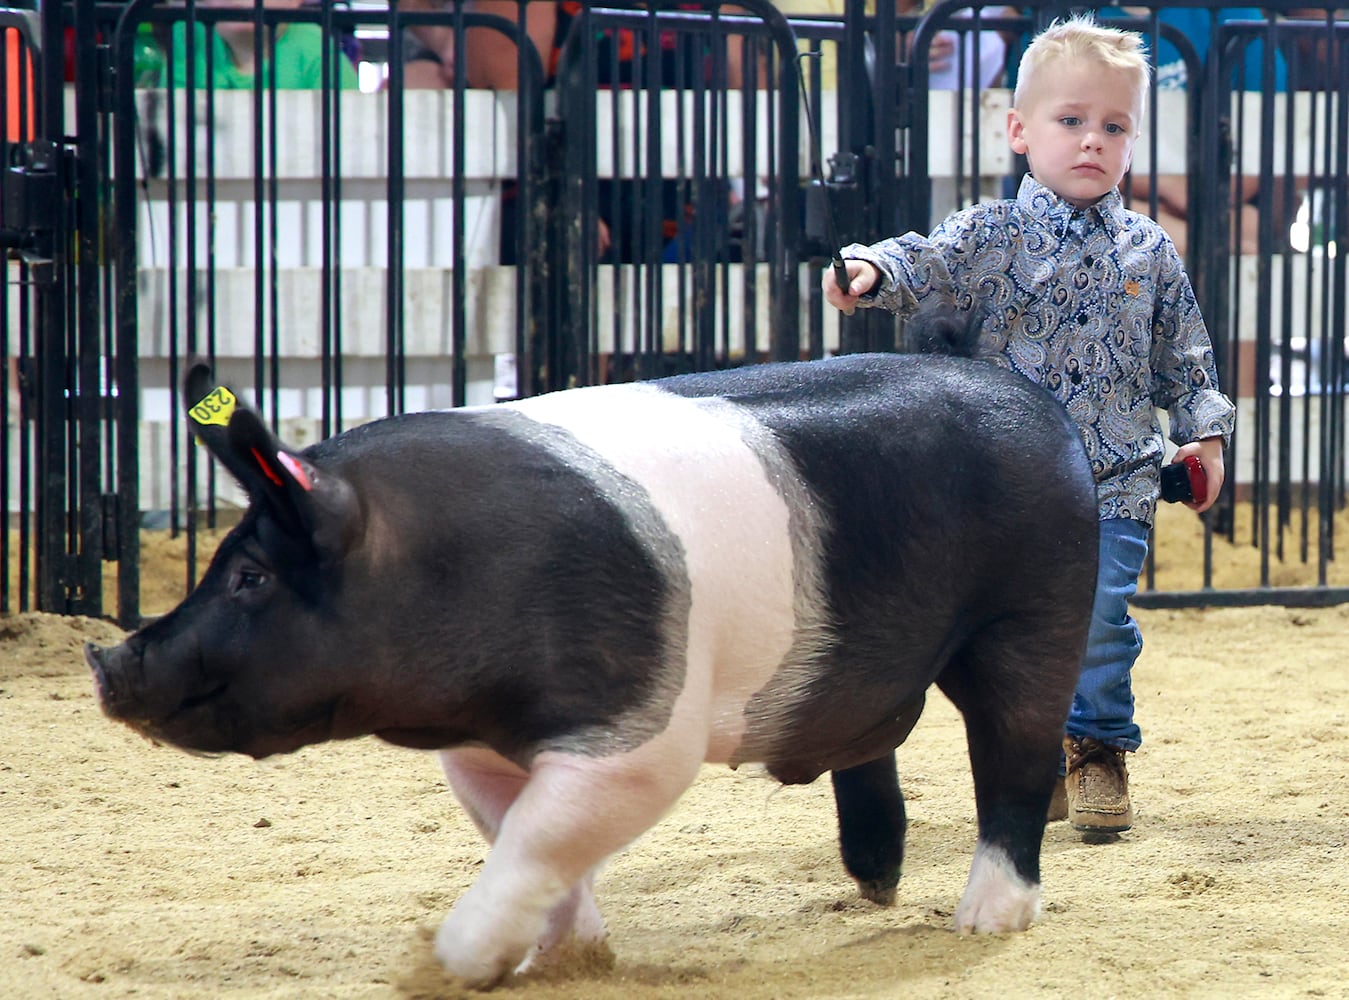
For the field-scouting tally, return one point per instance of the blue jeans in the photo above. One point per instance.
(1103, 704)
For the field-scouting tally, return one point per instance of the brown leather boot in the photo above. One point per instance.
(1098, 787)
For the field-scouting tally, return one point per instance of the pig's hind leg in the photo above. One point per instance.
(486, 784)
(1012, 683)
(566, 817)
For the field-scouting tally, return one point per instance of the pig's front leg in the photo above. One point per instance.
(569, 815)
(486, 784)
(577, 918)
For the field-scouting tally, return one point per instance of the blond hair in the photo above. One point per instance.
(1080, 38)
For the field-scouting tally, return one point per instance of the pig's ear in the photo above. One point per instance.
(317, 505)
(321, 508)
(210, 408)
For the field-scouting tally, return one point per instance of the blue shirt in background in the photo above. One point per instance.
(1196, 25)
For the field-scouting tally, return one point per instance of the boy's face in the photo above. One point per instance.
(1077, 128)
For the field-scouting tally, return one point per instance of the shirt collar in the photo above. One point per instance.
(1041, 203)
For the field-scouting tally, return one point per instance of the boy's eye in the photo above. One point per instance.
(1072, 121)
(1114, 129)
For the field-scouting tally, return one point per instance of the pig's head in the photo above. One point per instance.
(240, 664)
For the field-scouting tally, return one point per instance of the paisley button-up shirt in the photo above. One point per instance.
(1094, 305)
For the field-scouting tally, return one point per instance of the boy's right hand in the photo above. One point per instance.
(862, 278)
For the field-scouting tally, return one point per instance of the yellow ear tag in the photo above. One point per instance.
(216, 408)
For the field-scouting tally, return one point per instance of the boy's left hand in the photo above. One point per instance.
(1210, 454)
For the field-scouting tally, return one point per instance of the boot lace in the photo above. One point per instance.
(1093, 751)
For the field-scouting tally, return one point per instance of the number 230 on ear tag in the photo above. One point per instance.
(216, 408)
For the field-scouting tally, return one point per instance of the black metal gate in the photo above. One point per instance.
(62, 429)
(698, 188)
(1281, 315)
(644, 215)
(119, 209)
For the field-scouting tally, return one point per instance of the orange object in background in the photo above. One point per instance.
(12, 81)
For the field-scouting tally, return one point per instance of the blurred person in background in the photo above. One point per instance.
(1173, 74)
(293, 52)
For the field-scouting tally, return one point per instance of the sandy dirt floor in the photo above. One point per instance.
(129, 870)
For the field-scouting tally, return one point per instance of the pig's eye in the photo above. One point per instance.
(246, 580)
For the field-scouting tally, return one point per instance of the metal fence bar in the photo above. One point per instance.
(699, 176)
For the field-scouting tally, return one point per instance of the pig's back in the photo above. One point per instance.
(846, 519)
(952, 493)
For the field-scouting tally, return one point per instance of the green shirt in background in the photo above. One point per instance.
(298, 54)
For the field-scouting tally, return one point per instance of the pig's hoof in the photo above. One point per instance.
(879, 892)
(996, 898)
(1011, 913)
(468, 961)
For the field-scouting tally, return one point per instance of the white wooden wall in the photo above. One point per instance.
(225, 233)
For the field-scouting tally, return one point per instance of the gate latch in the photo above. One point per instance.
(30, 213)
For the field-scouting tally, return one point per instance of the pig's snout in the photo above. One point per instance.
(108, 668)
(160, 698)
(124, 691)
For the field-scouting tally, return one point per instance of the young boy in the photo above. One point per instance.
(1092, 302)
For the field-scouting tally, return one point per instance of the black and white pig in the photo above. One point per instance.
(581, 597)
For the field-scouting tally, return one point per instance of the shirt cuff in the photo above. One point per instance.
(1204, 414)
(889, 292)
